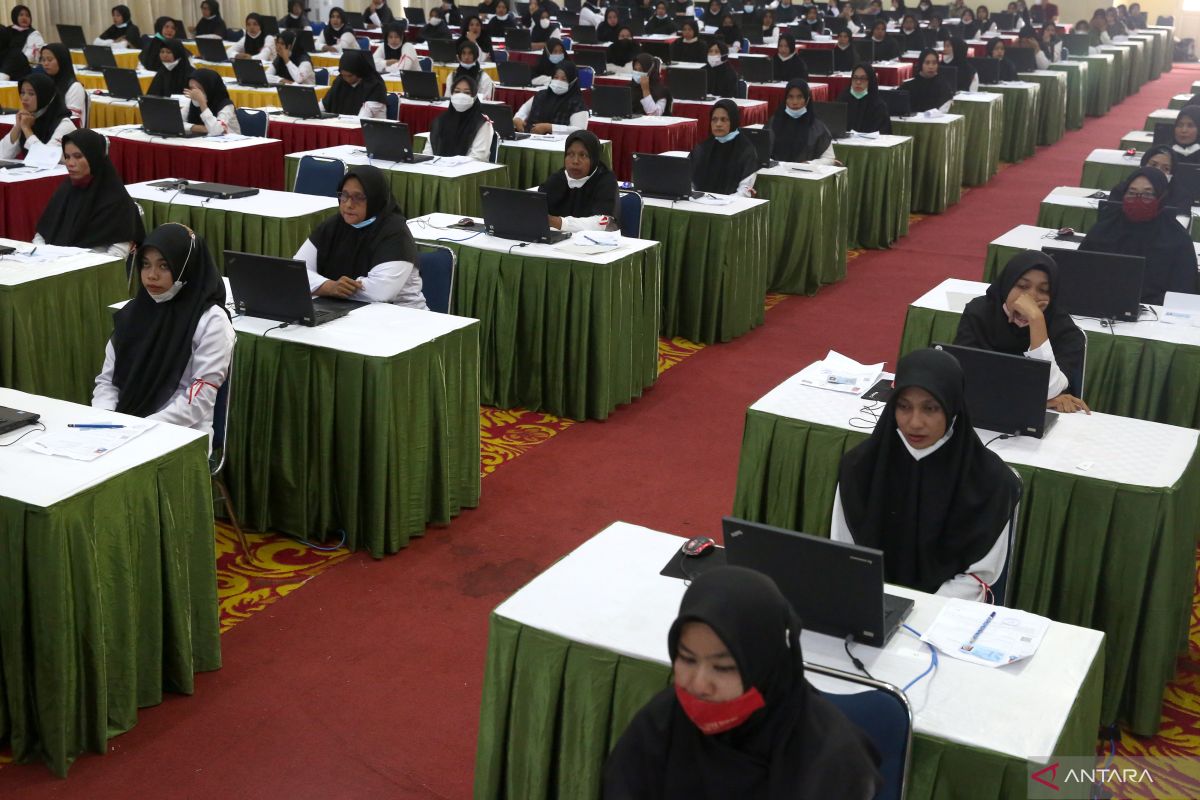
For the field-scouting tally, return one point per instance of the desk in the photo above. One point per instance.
(1104, 168)
(126, 58)
(889, 74)
(312, 134)
(577, 652)
(571, 334)
(9, 96)
(225, 68)
(1024, 237)
(1020, 119)
(109, 112)
(1138, 140)
(1074, 207)
(1052, 103)
(1122, 78)
(1179, 101)
(807, 222)
(1101, 81)
(984, 113)
(1077, 88)
(418, 115)
(1167, 115)
(531, 161)
(937, 159)
(369, 423)
(108, 578)
(250, 161)
(1110, 547)
(260, 96)
(93, 81)
(880, 188)
(24, 193)
(752, 112)
(420, 188)
(773, 94)
(645, 135)
(1136, 63)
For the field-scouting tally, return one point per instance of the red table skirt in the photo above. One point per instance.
(752, 115)
(774, 95)
(514, 96)
(298, 136)
(260, 166)
(524, 57)
(22, 204)
(893, 75)
(630, 139)
(419, 118)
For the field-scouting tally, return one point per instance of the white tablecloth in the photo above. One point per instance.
(15, 273)
(267, 203)
(353, 154)
(431, 227)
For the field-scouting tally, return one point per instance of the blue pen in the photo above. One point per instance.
(92, 425)
(979, 632)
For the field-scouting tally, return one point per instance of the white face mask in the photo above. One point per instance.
(559, 87)
(575, 183)
(169, 294)
(434, 21)
(466, 67)
(714, 61)
(169, 65)
(545, 23)
(788, 57)
(461, 101)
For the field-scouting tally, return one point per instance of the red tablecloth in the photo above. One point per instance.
(419, 117)
(751, 115)
(889, 75)
(774, 94)
(260, 165)
(629, 138)
(524, 56)
(22, 204)
(514, 96)
(300, 136)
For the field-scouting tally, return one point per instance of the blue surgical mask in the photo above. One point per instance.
(556, 58)
(729, 137)
(857, 95)
(797, 114)
(362, 224)
(637, 76)
(748, 8)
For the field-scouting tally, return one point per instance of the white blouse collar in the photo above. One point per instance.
(928, 451)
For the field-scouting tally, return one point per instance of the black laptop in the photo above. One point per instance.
(390, 141)
(689, 84)
(614, 101)
(354, 20)
(250, 72)
(420, 85)
(98, 57)
(518, 215)
(218, 191)
(1164, 133)
(898, 102)
(72, 36)
(277, 288)
(590, 58)
(301, 102)
(1077, 44)
(161, 116)
(836, 588)
(123, 84)
(664, 177)
(1101, 285)
(833, 115)
(1023, 58)
(212, 49)
(584, 34)
(270, 24)
(659, 49)
(517, 39)
(756, 69)
(12, 418)
(818, 62)
(514, 73)
(442, 51)
(763, 140)
(414, 15)
(501, 117)
(1005, 20)
(1185, 184)
(988, 70)
(1005, 393)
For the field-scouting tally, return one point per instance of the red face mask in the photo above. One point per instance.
(1140, 209)
(713, 718)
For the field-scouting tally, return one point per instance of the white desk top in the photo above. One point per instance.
(645, 121)
(1031, 237)
(355, 154)
(1030, 85)
(348, 122)
(1105, 155)
(883, 140)
(803, 172)
(741, 102)
(1081, 197)
(267, 203)
(1163, 115)
(607, 593)
(15, 273)
(218, 143)
(433, 228)
(978, 97)
(22, 174)
(141, 71)
(41, 480)
(924, 118)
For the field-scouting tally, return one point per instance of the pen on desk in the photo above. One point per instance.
(980, 631)
(92, 425)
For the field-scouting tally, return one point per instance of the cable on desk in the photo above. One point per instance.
(854, 659)
(933, 660)
(40, 427)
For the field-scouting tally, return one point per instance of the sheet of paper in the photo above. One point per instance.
(990, 636)
(841, 374)
(713, 200)
(606, 240)
(85, 444)
(43, 155)
(1180, 308)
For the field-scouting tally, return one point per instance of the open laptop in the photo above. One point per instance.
(98, 57)
(659, 49)
(763, 140)
(442, 51)
(898, 102)
(301, 102)
(1077, 44)
(664, 177)
(514, 73)
(834, 117)
(757, 69)
(161, 117)
(270, 24)
(415, 15)
(212, 50)
(584, 34)
(354, 20)
(517, 39)
(501, 116)
(72, 36)
(1005, 20)
(1164, 133)
(988, 70)
(123, 84)
(250, 72)
(590, 58)
(818, 62)
(277, 288)
(1101, 285)
(420, 85)
(1185, 183)
(518, 215)
(1023, 58)
(12, 418)
(836, 588)
(390, 141)
(689, 84)
(614, 101)
(1005, 393)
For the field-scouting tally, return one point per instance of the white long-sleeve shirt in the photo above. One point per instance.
(265, 55)
(33, 47)
(76, 98)
(484, 90)
(481, 145)
(12, 149)
(196, 395)
(652, 107)
(408, 60)
(396, 282)
(346, 41)
(301, 73)
(224, 121)
(579, 119)
(589, 18)
(1058, 381)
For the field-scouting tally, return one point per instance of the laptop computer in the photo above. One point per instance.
(898, 102)
(1101, 285)
(1005, 20)
(664, 177)
(72, 36)
(219, 191)
(442, 51)
(301, 102)
(591, 58)
(514, 73)
(1164, 133)
(12, 418)
(614, 101)
(1185, 183)
(517, 39)
(949, 75)
(98, 57)
(1005, 393)
(1023, 58)
(161, 117)
(818, 62)
(415, 15)
(584, 34)
(659, 49)
(519, 215)
(988, 70)
(689, 84)
(354, 20)
(123, 84)
(501, 116)
(277, 288)
(420, 85)
(757, 69)
(834, 117)
(763, 140)
(1077, 44)
(270, 24)
(250, 72)
(751, 32)
(836, 588)
(390, 141)
(212, 50)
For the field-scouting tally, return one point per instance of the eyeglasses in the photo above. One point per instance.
(1133, 194)
(859, 79)
(354, 198)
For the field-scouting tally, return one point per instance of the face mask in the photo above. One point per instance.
(461, 101)
(947, 58)
(788, 57)
(559, 87)
(714, 718)
(748, 9)
(169, 294)
(637, 76)
(169, 65)
(797, 113)
(661, 16)
(556, 58)
(122, 24)
(729, 137)
(502, 16)
(714, 61)
(1139, 209)
(545, 23)
(363, 224)
(465, 67)
(434, 21)
(857, 95)
(576, 183)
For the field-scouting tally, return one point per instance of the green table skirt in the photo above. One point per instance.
(937, 162)
(1052, 105)
(553, 709)
(1112, 557)
(1020, 121)
(807, 224)
(1077, 89)
(1097, 175)
(1054, 215)
(527, 167)
(325, 440)
(984, 132)
(568, 337)
(715, 271)
(1130, 143)
(53, 331)
(880, 192)
(1099, 98)
(1122, 79)
(107, 600)
(419, 194)
(1175, 104)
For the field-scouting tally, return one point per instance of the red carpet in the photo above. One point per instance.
(366, 682)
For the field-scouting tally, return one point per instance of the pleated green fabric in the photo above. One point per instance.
(107, 600)
(1100, 92)
(1077, 91)
(1105, 176)
(552, 710)
(1052, 104)
(1075, 560)
(715, 271)
(1056, 215)
(1020, 121)
(527, 167)
(880, 191)
(984, 133)
(1121, 72)
(326, 440)
(937, 162)
(807, 229)
(1131, 143)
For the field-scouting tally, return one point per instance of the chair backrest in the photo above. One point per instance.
(1000, 595)
(322, 76)
(425, 63)
(631, 214)
(499, 56)
(317, 27)
(319, 176)
(252, 121)
(494, 153)
(1077, 379)
(233, 34)
(363, 43)
(882, 711)
(391, 103)
(221, 422)
(742, 90)
(566, 41)
(587, 76)
(436, 265)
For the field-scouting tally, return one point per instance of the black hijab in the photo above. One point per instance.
(722, 80)
(214, 89)
(544, 65)
(935, 517)
(597, 196)
(1008, 72)
(172, 81)
(651, 66)
(66, 70)
(1192, 113)
(869, 114)
(1177, 194)
(331, 34)
(97, 215)
(985, 325)
(475, 70)
(719, 167)
(343, 250)
(558, 108)
(343, 98)
(390, 52)
(794, 67)
(19, 37)
(153, 341)
(133, 36)
(149, 57)
(622, 51)
(453, 131)
(798, 139)
(1162, 241)
(961, 62)
(51, 104)
(253, 45)
(386, 17)
(928, 93)
(211, 26)
(289, 21)
(797, 746)
(291, 39)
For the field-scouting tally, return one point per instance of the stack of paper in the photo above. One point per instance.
(841, 374)
(85, 444)
(991, 636)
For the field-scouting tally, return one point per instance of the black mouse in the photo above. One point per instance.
(698, 546)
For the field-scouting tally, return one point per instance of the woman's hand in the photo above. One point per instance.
(242, 56)
(555, 222)
(24, 125)
(1027, 307)
(542, 127)
(344, 288)
(645, 84)
(518, 124)
(197, 96)
(1067, 404)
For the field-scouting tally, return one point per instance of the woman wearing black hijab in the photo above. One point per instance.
(995, 50)
(91, 209)
(164, 30)
(42, 121)
(210, 22)
(255, 42)
(582, 196)
(925, 490)
(171, 344)
(843, 52)
(559, 108)
(469, 67)
(211, 110)
(740, 720)
(292, 63)
(623, 51)
(1017, 316)
(928, 89)
(23, 36)
(462, 129)
(174, 70)
(689, 47)
(364, 252)
(337, 36)
(967, 79)
(786, 63)
(607, 31)
(358, 89)
(1142, 226)
(725, 162)
(296, 17)
(799, 135)
(866, 112)
(1162, 158)
(553, 54)
(1187, 135)
(13, 65)
(122, 32)
(56, 62)
(662, 23)
(722, 80)
(378, 14)
(649, 96)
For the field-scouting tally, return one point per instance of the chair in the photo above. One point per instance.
(436, 265)
(322, 76)
(216, 459)
(317, 27)
(319, 176)
(494, 153)
(742, 90)
(745, 48)
(631, 214)
(252, 121)
(499, 56)
(233, 34)
(426, 63)
(587, 76)
(1000, 587)
(391, 103)
(882, 711)
(566, 41)
(363, 43)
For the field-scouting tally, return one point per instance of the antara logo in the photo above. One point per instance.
(1103, 776)
(1040, 776)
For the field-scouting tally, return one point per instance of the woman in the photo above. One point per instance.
(544, 28)
(929, 90)
(937, 32)
(724, 163)
(254, 42)
(552, 55)
(24, 36)
(649, 96)
(995, 50)
(174, 70)
(122, 33)
(358, 90)
(689, 46)
(607, 31)
(722, 80)
(812, 22)
(211, 112)
(785, 64)
(42, 121)
(296, 17)
(1187, 135)
(364, 252)
(967, 77)
(968, 28)
(882, 48)
(436, 26)
(799, 135)
(768, 29)
(91, 208)
(1017, 316)
(714, 14)
(1162, 158)
(476, 34)
(164, 30)
(1142, 226)
(337, 36)
(740, 720)
(730, 34)
(501, 21)
(925, 490)
(583, 195)
(394, 55)
(911, 37)
(853, 24)
(622, 52)
(786, 12)
(866, 111)
(591, 14)
(661, 24)
(171, 345)
(462, 129)
(210, 23)
(378, 14)
(56, 62)
(559, 108)
(468, 67)
(292, 64)
(844, 57)
(983, 18)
